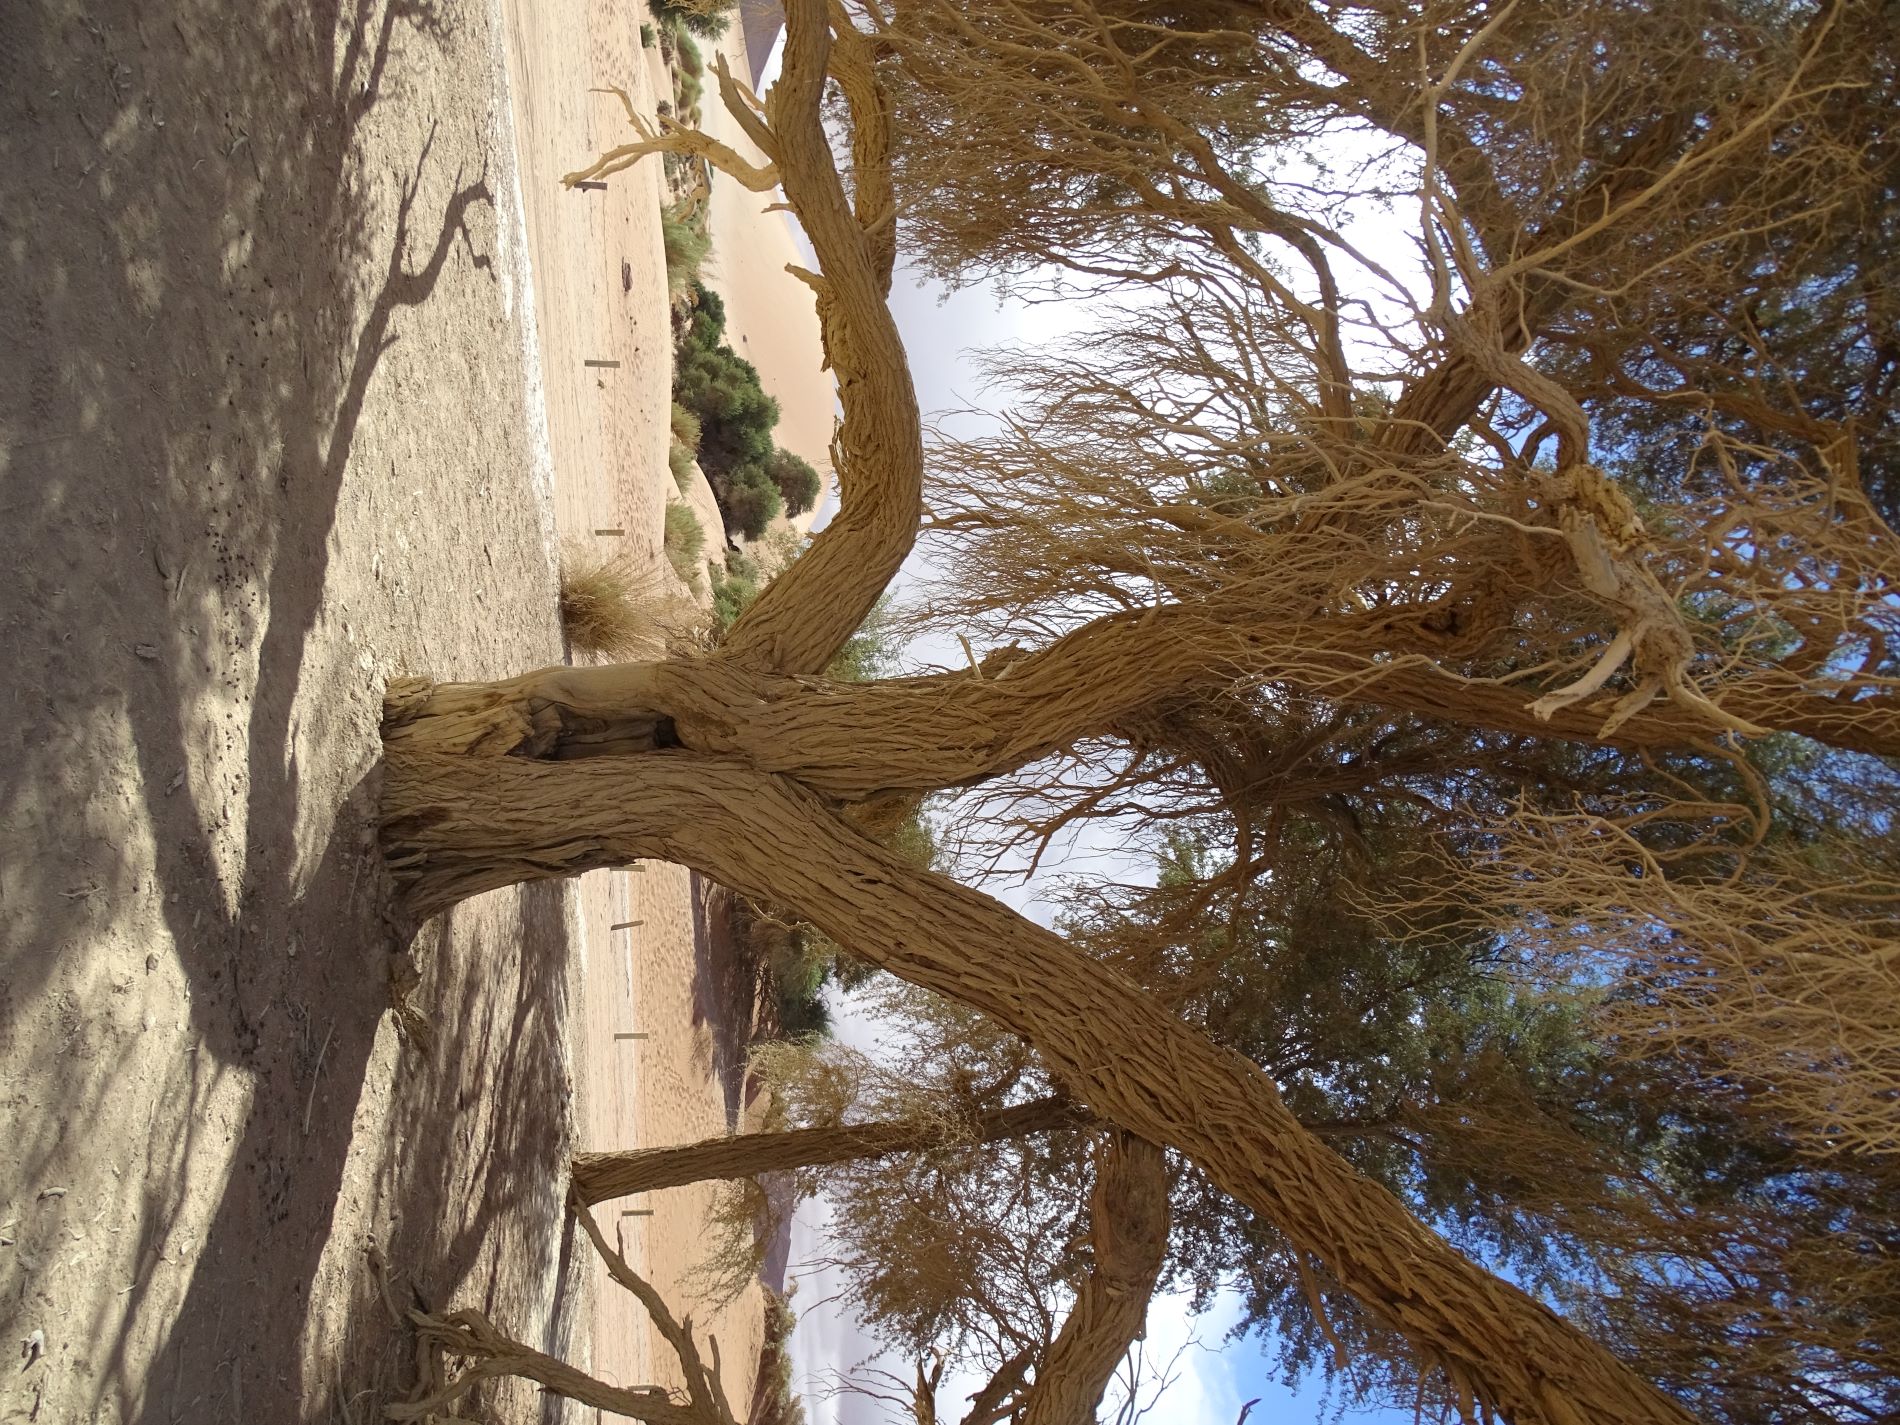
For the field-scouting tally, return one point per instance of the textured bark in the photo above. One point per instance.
(805, 615)
(1128, 1229)
(858, 741)
(459, 825)
(600, 1176)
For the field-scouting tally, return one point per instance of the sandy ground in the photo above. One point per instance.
(266, 436)
(653, 1068)
(288, 409)
(770, 318)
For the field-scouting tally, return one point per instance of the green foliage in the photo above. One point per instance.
(797, 482)
(786, 965)
(680, 461)
(733, 589)
(690, 61)
(799, 967)
(646, 37)
(685, 428)
(689, 87)
(720, 389)
(751, 500)
(684, 540)
(686, 244)
(774, 1401)
(706, 18)
(869, 653)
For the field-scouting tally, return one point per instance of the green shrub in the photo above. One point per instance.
(871, 652)
(736, 417)
(689, 57)
(774, 1400)
(686, 244)
(680, 461)
(685, 428)
(733, 589)
(683, 541)
(646, 37)
(797, 482)
(797, 972)
(720, 389)
(751, 501)
(706, 18)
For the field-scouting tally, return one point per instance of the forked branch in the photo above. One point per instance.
(673, 137)
(490, 1354)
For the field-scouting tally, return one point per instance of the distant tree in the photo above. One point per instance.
(796, 480)
(706, 18)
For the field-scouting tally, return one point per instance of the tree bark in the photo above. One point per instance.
(459, 825)
(600, 1176)
(1128, 1229)
(807, 614)
(854, 742)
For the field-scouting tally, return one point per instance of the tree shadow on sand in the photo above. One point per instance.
(197, 341)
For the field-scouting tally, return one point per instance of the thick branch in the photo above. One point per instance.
(491, 1354)
(1128, 1228)
(806, 615)
(600, 1176)
(673, 137)
(458, 825)
(904, 735)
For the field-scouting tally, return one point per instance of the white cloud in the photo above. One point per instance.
(1184, 1357)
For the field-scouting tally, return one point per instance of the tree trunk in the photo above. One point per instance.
(458, 825)
(907, 735)
(807, 614)
(600, 1176)
(1128, 1229)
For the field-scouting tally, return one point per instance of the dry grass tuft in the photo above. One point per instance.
(684, 543)
(603, 608)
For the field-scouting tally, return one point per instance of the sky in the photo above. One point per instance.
(1211, 1377)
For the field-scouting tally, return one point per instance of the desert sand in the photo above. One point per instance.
(600, 295)
(770, 319)
(266, 439)
(296, 401)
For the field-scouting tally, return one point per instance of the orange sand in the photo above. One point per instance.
(600, 295)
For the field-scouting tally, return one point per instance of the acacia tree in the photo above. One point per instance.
(1440, 541)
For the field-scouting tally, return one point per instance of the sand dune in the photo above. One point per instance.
(770, 318)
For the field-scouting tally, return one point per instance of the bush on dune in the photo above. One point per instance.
(685, 427)
(733, 589)
(686, 245)
(706, 18)
(720, 389)
(798, 484)
(683, 541)
(679, 460)
(750, 501)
